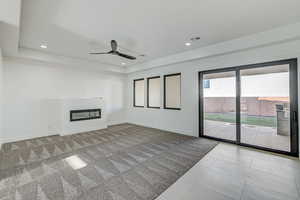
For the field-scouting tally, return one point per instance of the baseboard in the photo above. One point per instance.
(26, 139)
(161, 129)
(111, 123)
(118, 124)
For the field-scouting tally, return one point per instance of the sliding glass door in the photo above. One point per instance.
(265, 107)
(219, 105)
(253, 105)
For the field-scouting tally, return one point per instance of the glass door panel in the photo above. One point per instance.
(265, 107)
(219, 105)
(253, 105)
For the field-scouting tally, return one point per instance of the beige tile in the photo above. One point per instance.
(256, 193)
(233, 172)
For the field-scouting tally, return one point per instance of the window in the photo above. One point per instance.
(206, 84)
(153, 92)
(172, 90)
(138, 92)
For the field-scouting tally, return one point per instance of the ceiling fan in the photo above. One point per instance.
(114, 51)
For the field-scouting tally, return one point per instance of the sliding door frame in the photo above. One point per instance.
(293, 79)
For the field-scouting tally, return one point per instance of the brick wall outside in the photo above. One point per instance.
(249, 105)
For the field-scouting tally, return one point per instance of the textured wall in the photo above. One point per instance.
(249, 105)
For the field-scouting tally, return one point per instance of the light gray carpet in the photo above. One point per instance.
(123, 162)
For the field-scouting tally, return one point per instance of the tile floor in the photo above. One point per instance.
(232, 172)
(255, 135)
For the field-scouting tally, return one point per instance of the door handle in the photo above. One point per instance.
(295, 116)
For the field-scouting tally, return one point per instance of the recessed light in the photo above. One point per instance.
(188, 44)
(43, 46)
(123, 63)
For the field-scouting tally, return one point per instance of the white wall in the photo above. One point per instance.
(261, 85)
(29, 83)
(221, 87)
(1, 98)
(9, 25)
(186, 120)
(10, 11)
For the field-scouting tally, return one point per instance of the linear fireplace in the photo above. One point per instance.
(87, 114)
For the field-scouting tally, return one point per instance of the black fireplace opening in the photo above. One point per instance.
(87, 114)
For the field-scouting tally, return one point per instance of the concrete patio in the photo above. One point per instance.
(250, 134)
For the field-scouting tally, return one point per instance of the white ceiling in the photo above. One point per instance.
(156, 28)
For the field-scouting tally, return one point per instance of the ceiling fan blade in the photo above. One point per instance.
(95, 53)
(126, 56)
(114, 45)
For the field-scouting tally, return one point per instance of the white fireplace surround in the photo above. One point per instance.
(59, 115)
